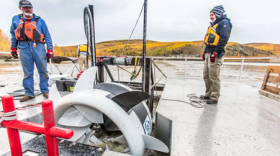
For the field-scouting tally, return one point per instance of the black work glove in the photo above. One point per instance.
(220, 52)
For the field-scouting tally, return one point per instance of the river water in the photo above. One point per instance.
(252, 74)
(11, 73)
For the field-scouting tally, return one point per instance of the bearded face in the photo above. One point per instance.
(27, 11)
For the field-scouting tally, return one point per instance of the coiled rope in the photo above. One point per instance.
(195, 100)
(8, 117)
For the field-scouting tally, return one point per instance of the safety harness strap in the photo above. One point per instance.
(36, 18)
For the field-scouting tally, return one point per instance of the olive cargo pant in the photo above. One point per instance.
(82, 61)
(211, 76)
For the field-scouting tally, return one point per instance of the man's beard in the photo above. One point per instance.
(28, 14)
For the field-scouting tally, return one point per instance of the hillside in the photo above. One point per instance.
(274, 48)
(154, 48)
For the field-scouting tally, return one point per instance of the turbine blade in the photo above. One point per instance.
(109, 125)
(88, 135)
(129, 99)
(91, 114)
(86, 80)
(93, 140)
(78, 132)
(108, 148)
(121, 139)
(72, 118)
(155, 144)
(54, 94)
(81, 139)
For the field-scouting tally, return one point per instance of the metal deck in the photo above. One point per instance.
(242, 123)
(38, 147)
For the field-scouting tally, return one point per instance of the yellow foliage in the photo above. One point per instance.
(5, 43)
(262, 46)
(154, 48)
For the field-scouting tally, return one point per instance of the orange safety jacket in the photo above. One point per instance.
(27, 31)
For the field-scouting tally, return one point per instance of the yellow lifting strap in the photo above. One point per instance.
(135, 63)
(134, 74)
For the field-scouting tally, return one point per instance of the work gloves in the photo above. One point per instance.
(203, 56)
(49, 54)
(14, 52)
(212, 57)
(220, 52)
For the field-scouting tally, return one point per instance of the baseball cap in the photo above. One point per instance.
(25, 3)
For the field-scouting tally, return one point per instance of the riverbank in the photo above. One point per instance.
(226, 59)
(5, 57)
(8, 58)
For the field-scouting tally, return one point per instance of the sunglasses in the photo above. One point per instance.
(26, 8)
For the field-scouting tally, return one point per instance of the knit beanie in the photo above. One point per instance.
(218, 11)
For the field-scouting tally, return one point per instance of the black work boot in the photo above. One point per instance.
(204, 97)
(25, 98)
(211, 101)
(46, 95)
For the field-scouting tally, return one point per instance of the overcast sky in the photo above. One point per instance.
(168, 20)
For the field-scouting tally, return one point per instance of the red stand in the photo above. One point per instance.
(49, 129)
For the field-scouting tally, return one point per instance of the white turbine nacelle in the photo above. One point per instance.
(113, 105)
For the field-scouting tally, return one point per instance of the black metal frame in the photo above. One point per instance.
(146, 63)
(148, 80)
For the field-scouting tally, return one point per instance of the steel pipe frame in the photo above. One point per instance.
(49, 129)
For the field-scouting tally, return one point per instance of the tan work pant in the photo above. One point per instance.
(82, 61)
(211, 76)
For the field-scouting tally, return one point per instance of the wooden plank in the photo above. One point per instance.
(272, 89)
(277, 84)
(274, 69)
(265, 80)
(270, 95)
(274, 79)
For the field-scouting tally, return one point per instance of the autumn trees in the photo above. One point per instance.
(154, 48)
(5, 43)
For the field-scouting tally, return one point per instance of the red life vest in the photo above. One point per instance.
(27, 31)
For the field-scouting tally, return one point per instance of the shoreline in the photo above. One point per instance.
(7, 58)
(182, 59)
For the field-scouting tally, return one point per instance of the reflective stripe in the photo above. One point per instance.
(34, 25)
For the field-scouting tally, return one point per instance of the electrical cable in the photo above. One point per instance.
(133, 29)
(195, 100)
